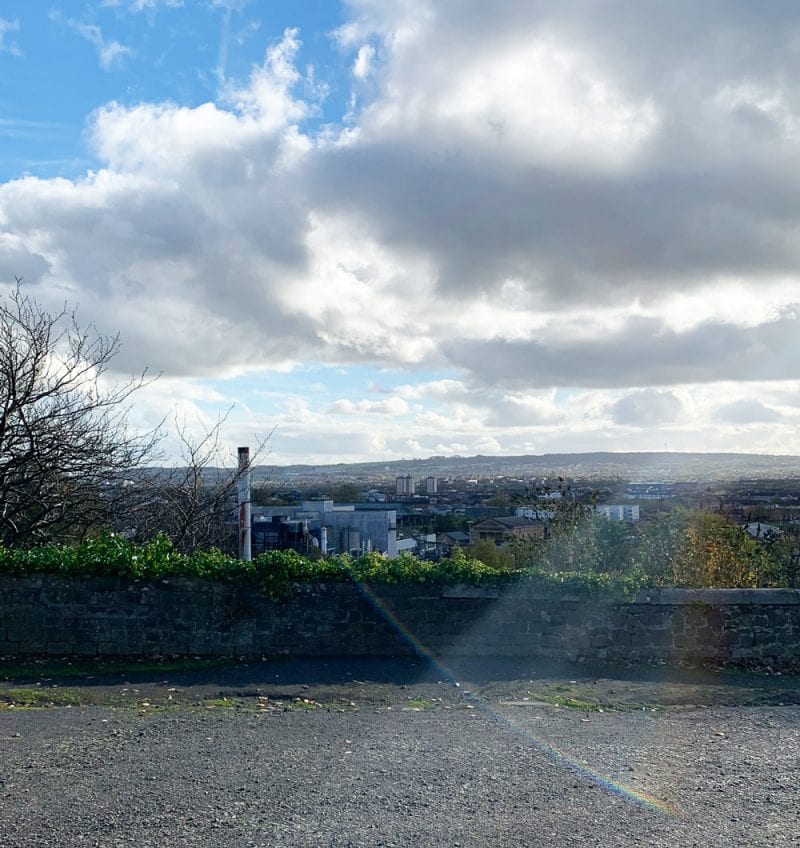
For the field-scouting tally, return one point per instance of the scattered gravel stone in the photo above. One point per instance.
(383, 753)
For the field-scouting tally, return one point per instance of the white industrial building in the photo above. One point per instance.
(332, 528)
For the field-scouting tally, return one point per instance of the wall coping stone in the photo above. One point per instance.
(651, 597)
(718, 597)
(463, 590)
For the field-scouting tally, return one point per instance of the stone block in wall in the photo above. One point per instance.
(683, 641)
(199, 648)
(599, 639)
(553, 617)
(759, 621)
(60, 649)
(508, 629)
(534, 626)
(28, 648)
(83, 632)
(332, 615)
(120, 648)
(552, 640)
(774, 616)
(701, 633)
(658, 637)
(22, 621)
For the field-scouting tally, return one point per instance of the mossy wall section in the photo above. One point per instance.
(111, 617)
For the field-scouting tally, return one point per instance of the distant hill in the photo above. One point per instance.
(587, 466)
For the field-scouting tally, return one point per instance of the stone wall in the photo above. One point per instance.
(119, 618)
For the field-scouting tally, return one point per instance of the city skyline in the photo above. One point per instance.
(384, 231)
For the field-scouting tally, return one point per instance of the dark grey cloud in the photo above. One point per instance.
(571, 239)
(17, 261)
(509, 412)
(644, 352)
(712, 192)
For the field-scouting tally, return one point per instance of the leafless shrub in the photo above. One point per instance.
(192, 504)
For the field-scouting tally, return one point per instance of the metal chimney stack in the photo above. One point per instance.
(245, 526)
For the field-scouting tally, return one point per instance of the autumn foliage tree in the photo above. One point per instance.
(702, 549)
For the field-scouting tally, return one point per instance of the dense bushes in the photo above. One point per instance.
(585, 556)
(699, 549)
(274, 572)
(682, 548)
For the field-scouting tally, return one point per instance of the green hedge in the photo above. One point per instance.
(276, 571)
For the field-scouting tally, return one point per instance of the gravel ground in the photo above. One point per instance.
(412, 763)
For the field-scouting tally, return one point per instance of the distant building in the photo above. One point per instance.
(346, 528)
(408, 545)
(550, 495)
(404, 485)
(619, 512)
(651, 491)
(424, 545)
(481, 511)
(760, 530)
(431, 485)
(536, 513)
(505, 529)
(452, 539)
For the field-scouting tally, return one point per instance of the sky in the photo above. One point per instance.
(384, 230)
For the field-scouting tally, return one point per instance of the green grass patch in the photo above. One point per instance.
(221, 703)
(578, 703)
(571, 703)
(419, 704)
(39, 698)
(579, 698)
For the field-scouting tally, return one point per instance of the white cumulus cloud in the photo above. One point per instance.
(559, 221)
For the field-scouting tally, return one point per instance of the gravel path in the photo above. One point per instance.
(405, 767)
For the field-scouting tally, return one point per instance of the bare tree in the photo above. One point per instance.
(193, 503)
(64, 435)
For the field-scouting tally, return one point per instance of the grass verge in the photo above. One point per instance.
(11, 699)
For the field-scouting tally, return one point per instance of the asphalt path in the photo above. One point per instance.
(402, 753)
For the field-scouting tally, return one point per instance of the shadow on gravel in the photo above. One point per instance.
(383, 670)
(494, 677)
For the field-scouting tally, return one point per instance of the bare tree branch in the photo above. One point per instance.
(64, 435)
(190, 504)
